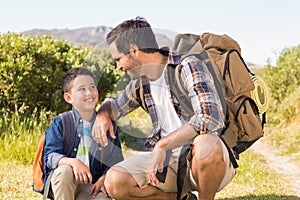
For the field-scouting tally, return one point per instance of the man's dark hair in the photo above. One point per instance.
(133, 32)
(72, 74)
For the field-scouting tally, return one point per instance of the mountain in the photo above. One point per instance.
(91, 36)
(95, 36)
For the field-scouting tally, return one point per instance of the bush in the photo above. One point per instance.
(283, 80)
(285, 77)
(31, 71)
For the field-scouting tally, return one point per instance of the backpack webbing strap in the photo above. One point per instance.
(47, 186)
(231, 156)
(68, 135)
(69, 131)
(182, 164)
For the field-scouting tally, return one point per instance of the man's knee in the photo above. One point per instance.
(207, 149)
(116, 181)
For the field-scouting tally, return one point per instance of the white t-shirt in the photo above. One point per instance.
(167, 116)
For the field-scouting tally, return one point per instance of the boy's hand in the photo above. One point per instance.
(81, 172)
(101, 126)
(98, 186)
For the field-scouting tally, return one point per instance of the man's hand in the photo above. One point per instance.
(102, 127)
(156, 163)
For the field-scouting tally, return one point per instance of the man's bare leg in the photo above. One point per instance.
(208, 166)
(121, 185)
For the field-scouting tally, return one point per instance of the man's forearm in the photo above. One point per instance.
(108, 108)
(179, 137)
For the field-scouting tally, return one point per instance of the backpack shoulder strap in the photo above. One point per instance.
(69, 131)
(178, 90)
(138, 92)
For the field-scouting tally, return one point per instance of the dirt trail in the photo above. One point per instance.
(280, 164)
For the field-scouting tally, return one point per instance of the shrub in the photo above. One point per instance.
(31, 71)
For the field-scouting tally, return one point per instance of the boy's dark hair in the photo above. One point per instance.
(133, 32)
(72, 74)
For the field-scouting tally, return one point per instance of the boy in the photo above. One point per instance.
(79, 175)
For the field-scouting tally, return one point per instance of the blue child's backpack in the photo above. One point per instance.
(41, 180)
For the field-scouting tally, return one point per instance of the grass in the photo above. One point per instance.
(254, 180)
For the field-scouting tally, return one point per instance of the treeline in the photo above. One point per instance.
(31, 71)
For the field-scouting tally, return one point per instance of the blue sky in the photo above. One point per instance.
(263, 28)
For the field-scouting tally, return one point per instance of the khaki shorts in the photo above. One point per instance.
(137, 166)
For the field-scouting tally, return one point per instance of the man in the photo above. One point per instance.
(153, 175)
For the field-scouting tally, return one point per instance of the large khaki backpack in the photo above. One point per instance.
(235, 83)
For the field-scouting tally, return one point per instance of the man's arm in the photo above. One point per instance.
(113, 109)
(103, 124)
(182, 136)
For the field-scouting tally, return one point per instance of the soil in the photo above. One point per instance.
(280, 164)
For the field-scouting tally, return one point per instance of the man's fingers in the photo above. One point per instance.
(153, 179)
(112, 132)
(160, 168)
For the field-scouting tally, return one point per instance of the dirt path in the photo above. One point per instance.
(280, 164)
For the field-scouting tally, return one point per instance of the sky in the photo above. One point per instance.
(263, 28)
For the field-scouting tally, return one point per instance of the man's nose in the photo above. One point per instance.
(119, 66)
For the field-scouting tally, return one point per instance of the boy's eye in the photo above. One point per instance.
(81, 89)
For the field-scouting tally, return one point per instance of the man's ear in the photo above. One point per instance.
(68, 97)
(133, 50)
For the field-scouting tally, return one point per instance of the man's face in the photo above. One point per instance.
(131, 65)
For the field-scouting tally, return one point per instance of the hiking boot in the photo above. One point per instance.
(189, 196)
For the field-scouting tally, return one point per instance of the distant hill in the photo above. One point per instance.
(95, 36)
(92, 36)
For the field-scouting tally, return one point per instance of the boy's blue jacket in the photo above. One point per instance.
(53, 150)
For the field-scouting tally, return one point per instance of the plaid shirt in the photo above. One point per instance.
(197, 80)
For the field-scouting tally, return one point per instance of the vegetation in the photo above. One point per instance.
(284, 82)
(30, 95)
(31, 70)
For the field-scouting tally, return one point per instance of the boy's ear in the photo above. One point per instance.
(68, 97)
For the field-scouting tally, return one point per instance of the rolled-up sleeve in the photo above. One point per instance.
(208, 115)
(125, 102)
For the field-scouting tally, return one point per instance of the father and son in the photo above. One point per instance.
(97, 169)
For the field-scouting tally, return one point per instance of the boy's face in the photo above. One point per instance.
(83, 94)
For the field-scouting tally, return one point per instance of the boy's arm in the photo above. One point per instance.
(81, 171)
(53, 150)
